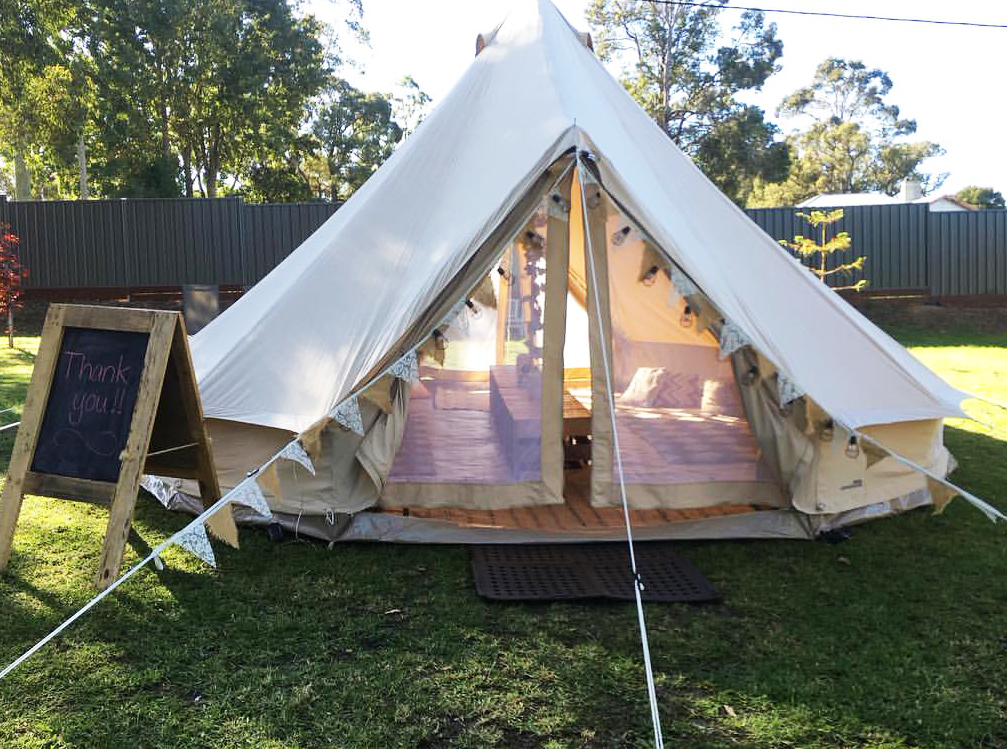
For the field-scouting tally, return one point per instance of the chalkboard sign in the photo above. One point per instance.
(107, 385)
(90, 405)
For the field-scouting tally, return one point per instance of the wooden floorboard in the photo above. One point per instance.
(572, 516)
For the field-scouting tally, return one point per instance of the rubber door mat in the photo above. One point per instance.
(558, 572)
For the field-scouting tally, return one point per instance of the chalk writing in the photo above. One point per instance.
(90, 405)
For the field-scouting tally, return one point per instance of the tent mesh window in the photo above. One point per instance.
(476, 417)
(679, 413)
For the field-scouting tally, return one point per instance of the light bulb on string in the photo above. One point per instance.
(504, 274)
(559, 204)
(853, 447)
(650, 277)
(440, 340)
(750, 377)
(620, 236)
(826, 431)
(592, 198)
(474, 308)
(686, 319)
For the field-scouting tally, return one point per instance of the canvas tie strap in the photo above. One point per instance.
(638, 586)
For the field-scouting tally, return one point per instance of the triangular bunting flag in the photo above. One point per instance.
(250, 495)
(293, 451)
(407, 368)
(269, 479)
(348, 415)
(787, 389)
(681, 283)
(732, 338)
(941, 494)
(702, 318)
(161, 491)
(195, 540)
(311, 438)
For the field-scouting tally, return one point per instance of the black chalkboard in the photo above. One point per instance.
(90, 405)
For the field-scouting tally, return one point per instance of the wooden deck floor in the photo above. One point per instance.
(570, 516)
(575, 514)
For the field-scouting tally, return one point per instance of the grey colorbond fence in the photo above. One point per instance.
(967, 253)
(135, 244)
(910, 248)
(893, 238)
(130, 244)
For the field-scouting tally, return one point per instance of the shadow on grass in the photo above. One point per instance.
(885, 640)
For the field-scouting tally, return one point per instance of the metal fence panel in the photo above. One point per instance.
(168, 243)
(892, 237)
(156, 242)
(969, 252)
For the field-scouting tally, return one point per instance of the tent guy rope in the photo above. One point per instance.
(655, 714)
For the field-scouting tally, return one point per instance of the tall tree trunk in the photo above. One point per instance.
(22, 177)
(82, 167)
(187, 168)
(213, 164)
(165, 141)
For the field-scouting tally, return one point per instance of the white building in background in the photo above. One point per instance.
(911, 192)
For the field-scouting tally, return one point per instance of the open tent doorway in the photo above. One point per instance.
(509, 425)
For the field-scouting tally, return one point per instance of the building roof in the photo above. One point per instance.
(844, 199)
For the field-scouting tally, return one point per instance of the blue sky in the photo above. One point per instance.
(947, 78)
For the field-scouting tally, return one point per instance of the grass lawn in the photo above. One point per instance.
(895, 638)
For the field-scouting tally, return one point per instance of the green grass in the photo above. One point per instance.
(893, 639)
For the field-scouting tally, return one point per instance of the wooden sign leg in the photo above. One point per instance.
(10, 509)
(121, 513)
(221, 523)
(27, 433)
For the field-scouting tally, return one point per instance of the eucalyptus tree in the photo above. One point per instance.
(687, 71)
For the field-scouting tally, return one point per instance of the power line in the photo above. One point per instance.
(824, 14)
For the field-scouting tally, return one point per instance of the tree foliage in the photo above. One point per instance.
(687, 77)
(982, 197)
(40, 92)
(823, 247)
(213, 85)
(355, 132)
(11, 276)
(855, 141)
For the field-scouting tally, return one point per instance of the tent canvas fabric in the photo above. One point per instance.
(498, 164)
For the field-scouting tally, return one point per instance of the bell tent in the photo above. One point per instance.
(538, 308)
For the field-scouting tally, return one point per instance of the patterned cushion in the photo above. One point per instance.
(658, 387)
(722, 397)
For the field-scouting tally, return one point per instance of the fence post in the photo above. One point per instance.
(238, 251)
(932, 244)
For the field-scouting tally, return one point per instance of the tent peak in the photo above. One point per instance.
(532, 9)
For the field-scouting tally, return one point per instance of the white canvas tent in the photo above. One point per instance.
(609, 277)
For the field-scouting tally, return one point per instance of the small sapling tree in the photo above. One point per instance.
(819, 251)
(11, 276)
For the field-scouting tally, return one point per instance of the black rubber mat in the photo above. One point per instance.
(557, 572)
